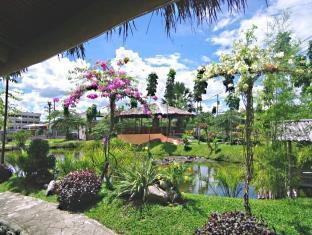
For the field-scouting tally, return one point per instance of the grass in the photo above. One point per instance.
(229, 153)
(286, 216)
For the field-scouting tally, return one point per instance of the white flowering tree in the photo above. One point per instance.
(248, 62)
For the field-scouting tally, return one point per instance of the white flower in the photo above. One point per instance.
(279, 55)
(290, 61)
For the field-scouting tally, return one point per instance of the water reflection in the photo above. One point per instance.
(222, 179)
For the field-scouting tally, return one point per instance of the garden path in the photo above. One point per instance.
(37, 217)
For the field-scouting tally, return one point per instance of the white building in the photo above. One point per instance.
(18, 120)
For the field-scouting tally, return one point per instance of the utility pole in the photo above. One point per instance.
(5, 118)
(217, 104)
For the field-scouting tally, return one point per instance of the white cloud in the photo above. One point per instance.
(206, 59)
(48, 79)
(224, 22)
(299, 23)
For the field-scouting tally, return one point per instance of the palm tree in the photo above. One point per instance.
(66, 121)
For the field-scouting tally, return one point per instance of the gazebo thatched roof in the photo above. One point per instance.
(299, 131)
(34, 30)
(156, 109)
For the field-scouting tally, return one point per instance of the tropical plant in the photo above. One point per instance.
(186, 142)
(66, 120)
(78, 189)
(38, 166)
(20, 138)
(229, 181)
(133, 180)
(91, 117)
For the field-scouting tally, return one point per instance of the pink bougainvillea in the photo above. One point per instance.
(107, 82)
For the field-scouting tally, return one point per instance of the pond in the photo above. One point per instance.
(215, 178)
(200, 177)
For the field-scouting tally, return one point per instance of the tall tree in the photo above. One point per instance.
(152, 82)
(200, 88)
(66, 120)
(169, 92)
(183, 97)
(91, 117)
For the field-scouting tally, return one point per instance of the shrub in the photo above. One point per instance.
(186, 142)
(133, 181)
(5, 173)
(20, 138)
(37, 166)
(234, 223)
(78, 189)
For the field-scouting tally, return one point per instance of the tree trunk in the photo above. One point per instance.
(5, 119)
(249, 147)
(105, 172)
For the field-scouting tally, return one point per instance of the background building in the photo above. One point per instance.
(18, 120)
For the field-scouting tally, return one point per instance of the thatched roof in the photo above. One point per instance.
(34, 30)
(156, 109)
(300, 131)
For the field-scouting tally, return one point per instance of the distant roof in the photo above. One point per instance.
(296, 130)
(156, 109)
(34, 125)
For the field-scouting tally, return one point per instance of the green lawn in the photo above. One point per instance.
(230, 153)
(287, 216)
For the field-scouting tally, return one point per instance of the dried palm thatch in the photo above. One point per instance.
(177, 12)
(49, 21)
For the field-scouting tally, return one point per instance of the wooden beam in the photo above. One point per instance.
(86, 24)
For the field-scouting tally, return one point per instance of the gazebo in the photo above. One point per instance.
(161, 120)
(297, 131)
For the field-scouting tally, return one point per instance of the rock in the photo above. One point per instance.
(156, 194)
(163, 185)
(51, 188)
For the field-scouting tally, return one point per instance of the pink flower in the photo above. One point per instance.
(89, 75)
(155, 97)
(92, 96)
(159, 116)
(103, 65)
(55, 100)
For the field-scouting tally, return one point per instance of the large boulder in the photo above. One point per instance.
(156, 194)
(163, 193)
(52, 187)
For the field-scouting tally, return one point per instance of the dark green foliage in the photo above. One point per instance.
(78, 189)
(134, 180)
(234, 223)
(186, 142)
(169, 92)
(5, 173)
(133, 103)
(232, 101)
(20, 138)
(152, 84)
(38, 166)
(200, 86)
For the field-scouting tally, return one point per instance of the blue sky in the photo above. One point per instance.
(150, 38)
(151, 50)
